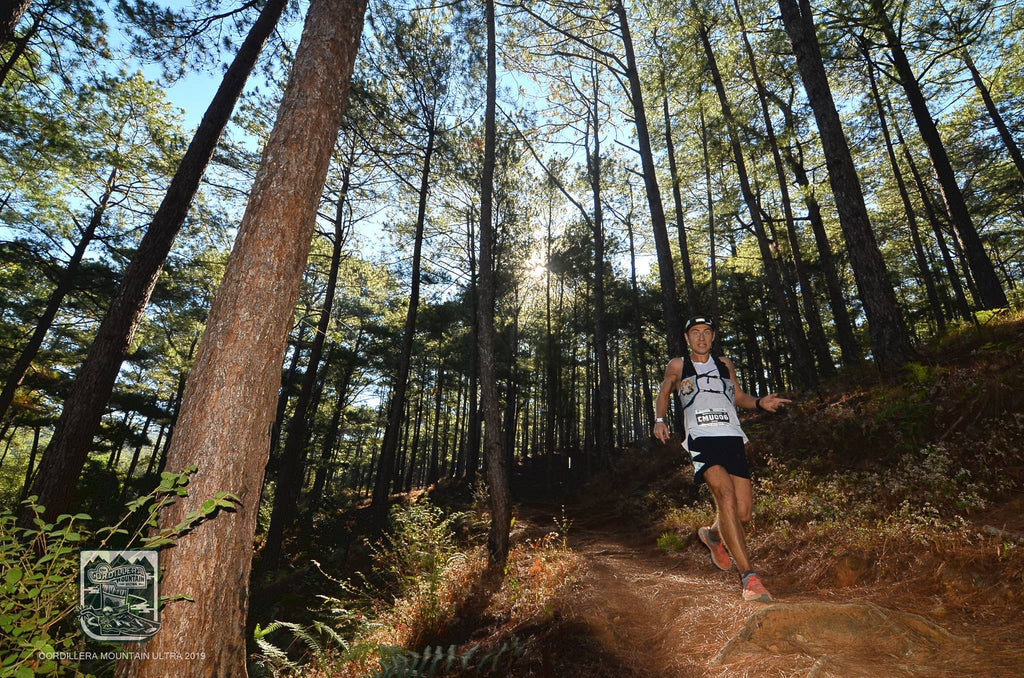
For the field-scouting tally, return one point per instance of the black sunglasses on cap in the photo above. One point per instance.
(698, 320)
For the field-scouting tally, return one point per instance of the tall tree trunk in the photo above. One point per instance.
(551, 382)
(155, 452)
(791, 325)
(603, 419)
(434, 472)
(666, 272)
(692, 300)
(144, 435)
(810, 304)
(238, 366)
(908, 208)
(387, 451)
(83, 408)
(287, 382)
(962, 307)
(20, 43)
(473, 442)
(890, 342)
(989, 287)
(64, 285)
(414, 449)
(497, 474)
(293, 457)
(11, 12)
(713, 260)
(848, 347)
(31, 464)
(993, 112)
(639, 354)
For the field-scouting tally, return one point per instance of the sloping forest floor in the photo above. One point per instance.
(888, 525)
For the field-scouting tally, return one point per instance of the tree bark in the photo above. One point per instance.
(603, 419)
(83, 408)
(991, 294)
(963, 309)
(709, 197)
(666, 271)
(639, 354)
(915, 237)
(11, 12)
(890, 342)
(238, 364)
(497, 474)
(387, 451)
(692, 300)
(293, 457)
(810, 305)
(993, 112)
(849, 350)
(434, 472)
(791, 325)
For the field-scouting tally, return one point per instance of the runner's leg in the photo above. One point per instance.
(723, 489)
(744, 498)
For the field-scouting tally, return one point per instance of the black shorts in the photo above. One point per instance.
(724, 451)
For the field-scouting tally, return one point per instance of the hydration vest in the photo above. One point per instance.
(690, 371)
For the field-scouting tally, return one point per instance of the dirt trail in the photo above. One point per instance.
(642, 613)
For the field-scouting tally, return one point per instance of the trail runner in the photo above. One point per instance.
(710, 393)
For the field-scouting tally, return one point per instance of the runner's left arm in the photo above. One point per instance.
(769, 403)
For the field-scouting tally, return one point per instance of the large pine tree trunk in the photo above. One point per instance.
(386, 460)
(497, 474)
(990, 290)
(64, 285)
(890, 342)
(83, 408)
(666, 271)
(791, 325)
(238, 365)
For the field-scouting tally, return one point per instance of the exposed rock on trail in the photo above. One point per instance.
(847, 640)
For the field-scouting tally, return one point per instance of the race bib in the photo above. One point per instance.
(711, 417)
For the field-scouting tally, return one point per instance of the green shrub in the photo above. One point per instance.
(39, 571)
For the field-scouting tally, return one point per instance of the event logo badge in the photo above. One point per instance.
(118, 594)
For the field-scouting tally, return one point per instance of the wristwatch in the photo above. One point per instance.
(659, 420)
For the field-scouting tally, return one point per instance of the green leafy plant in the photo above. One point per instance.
(670, 542)
(39, 568)
(437, 661)
(316, 639)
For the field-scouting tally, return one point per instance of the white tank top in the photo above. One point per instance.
(709, 403)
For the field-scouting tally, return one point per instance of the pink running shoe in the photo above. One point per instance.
(719, 555)
(754, 590)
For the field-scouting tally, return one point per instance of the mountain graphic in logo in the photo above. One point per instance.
(118, 594)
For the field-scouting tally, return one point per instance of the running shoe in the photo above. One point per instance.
(719, 555)
(754, 590)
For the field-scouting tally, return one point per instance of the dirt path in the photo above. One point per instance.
(643, 613)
